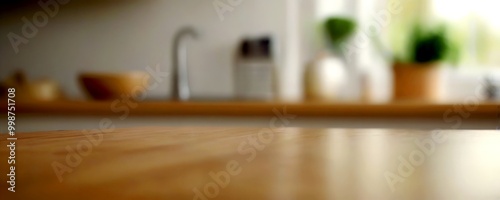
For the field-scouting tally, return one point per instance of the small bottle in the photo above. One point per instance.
(254, 70)
(491, 88)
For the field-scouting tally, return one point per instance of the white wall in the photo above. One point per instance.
(115, 36)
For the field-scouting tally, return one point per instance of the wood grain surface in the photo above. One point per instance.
(254, 163)
(408, 109)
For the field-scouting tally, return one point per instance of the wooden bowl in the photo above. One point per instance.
(31, 90)
(110, 86)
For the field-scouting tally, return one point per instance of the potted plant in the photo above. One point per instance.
(417, 76)
(324, 75)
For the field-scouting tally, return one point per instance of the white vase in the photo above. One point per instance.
(324, 78)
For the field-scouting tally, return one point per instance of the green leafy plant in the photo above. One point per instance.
(338, 29)
(430, 45)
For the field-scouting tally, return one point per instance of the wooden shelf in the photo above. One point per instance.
(487, 110)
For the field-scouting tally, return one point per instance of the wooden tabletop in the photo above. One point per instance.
(403, 109)
(254, 163)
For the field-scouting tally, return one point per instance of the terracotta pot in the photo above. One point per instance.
(416, 81)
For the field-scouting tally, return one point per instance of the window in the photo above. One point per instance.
(478, 26)
(473, 25)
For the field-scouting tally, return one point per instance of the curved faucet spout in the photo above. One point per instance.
(181, 90)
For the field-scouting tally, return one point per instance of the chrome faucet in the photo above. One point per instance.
(181, 90)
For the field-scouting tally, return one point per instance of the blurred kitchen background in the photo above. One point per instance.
(335, 52)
